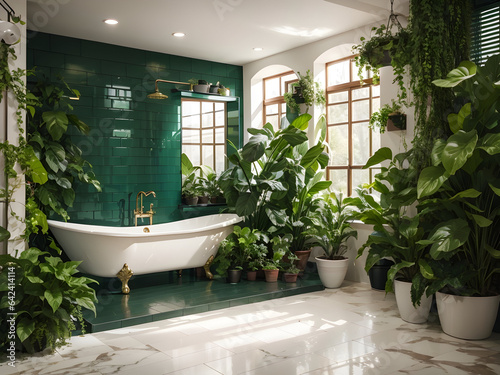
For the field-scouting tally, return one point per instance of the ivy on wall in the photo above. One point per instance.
(439, 40)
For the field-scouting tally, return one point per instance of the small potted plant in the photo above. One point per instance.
(235, 251)
(291, 270)
(280, 247)
(390, 117)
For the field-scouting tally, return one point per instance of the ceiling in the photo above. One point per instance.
(216, 30)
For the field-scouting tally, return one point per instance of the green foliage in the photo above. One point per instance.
(280, 248)
(399, 233)
(461, 188)
(379, 118)
(269, 172)
(383, 49)
(48, 128)
(243, 247)
(439, 41)
(331, 224)
(47, 297)
(43, 291)
(306, 91)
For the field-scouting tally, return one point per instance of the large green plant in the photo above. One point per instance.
(45, 295)
(269, 172)
(398, 229)
(48, 134)
(462, 186)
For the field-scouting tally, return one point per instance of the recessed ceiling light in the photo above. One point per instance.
(258, 49)
(178, 34)
(110, 21)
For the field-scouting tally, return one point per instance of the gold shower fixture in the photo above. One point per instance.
(158, 95)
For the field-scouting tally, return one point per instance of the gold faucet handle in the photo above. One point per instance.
(151, 209)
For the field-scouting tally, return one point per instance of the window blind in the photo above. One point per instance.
(485, 29)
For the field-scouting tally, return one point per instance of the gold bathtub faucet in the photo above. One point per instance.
(138, 212)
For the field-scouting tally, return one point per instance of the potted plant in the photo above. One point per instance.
(390, 117)
(257, 253)
(463, 192)
(268, 171)
(330, 230)
(280, 247)
(398, 232)
(235, 251)
(48, 298)
(291, 273)
(384, 49)
(190, 183)
(306, 91)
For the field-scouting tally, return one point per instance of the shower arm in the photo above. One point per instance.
(174, 82)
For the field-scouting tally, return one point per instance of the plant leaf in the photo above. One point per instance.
(456, 120)
(458, 149)
(56, 122)
(448, 237)
(430, 180)
(490, 143)
(382, 154)
(54, 298)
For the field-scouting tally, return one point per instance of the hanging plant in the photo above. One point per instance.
(306, 91)
(439, 41)
(385, 48)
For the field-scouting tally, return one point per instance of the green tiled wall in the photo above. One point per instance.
(114, 82)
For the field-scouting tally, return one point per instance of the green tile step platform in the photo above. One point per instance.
(165, 295)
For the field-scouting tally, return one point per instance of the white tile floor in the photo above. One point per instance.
(351, 330)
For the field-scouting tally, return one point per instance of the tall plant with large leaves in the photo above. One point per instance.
(48, 135)
(462, 186)
(270, 172)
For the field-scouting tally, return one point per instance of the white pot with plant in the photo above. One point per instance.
(331, 228)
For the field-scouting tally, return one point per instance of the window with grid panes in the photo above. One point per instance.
(348, 109)
(204, 132)
(274, 103)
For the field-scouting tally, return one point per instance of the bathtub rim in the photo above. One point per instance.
(80, 228)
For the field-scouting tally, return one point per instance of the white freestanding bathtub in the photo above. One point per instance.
(106, 251)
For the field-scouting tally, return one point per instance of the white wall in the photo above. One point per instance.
(9, 131)
(314, 56)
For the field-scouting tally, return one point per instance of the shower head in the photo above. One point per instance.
(157, 95)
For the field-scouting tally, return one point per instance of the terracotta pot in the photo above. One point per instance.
(302, 261)
(290, 277)
(251, 275)
(271, 275)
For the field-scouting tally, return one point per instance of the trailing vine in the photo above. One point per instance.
(48, 294)
(439, 41)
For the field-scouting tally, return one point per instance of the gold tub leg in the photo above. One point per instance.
(209, 274)
(124, 275)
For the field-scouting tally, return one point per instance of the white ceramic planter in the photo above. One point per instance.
(470, 318)
(332, 272)
(408, 312)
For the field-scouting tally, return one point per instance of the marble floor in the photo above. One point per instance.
(351, 330)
